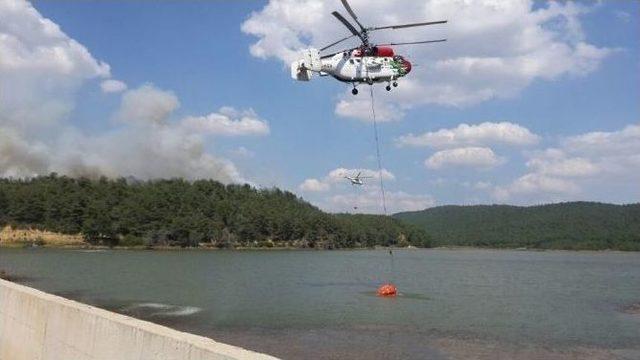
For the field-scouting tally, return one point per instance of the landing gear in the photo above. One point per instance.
(354, 91)
(395, 84)
(388, 88)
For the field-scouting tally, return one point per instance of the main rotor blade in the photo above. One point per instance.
(353, 15)
(412, 43)
(408, 25)
(336, 43)
(347, 24)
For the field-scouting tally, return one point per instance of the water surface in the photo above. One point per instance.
(300, 304)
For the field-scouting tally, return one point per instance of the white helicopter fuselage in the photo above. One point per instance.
(364, 69)
(350, 68)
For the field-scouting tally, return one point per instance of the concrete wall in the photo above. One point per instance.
(37, 325)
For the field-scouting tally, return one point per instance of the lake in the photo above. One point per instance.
(322, 304)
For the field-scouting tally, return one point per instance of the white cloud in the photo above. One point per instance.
(602, 143)
(484, 134)
(40, 68)
(113, 86)
(554, 162)
(41, 73)
(242, 152)
(147, 104)
(370, 201)
(615, 154)
(360, 108)
(622, 16)
(361, 199)
(314, 185)
(338, 174)
(481, 185)
(536, 184)
(477, 157)
(228, 122)
(594, 163)
(34, 43)
(494, 49)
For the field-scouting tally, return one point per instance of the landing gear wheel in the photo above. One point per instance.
(395, 84)
(354, 91)
(388, 88)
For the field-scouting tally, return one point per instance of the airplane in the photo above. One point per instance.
(357, 180)
(366, 63)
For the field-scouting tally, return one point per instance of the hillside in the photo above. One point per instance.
(573, 225)
(183, 213)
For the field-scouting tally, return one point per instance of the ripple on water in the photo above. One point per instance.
(633, 309)
(400, 295)
(150, 309)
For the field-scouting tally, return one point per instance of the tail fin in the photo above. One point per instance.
(302, 69)
(298, 72)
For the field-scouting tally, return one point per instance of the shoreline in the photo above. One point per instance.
(17, 245)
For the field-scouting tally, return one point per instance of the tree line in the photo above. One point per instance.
(176, 212)
(571, 226)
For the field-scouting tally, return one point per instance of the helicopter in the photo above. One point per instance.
(357, 180)
(366, 63)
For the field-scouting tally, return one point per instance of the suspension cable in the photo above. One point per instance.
(375, 131)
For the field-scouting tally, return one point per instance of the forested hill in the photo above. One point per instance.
(178, 212)
(572, 225)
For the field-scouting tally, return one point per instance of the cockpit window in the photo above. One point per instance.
(351, 61)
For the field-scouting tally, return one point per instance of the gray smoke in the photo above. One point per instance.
(42, 71)
(144, 144)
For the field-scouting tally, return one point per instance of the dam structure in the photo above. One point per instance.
(38, 325)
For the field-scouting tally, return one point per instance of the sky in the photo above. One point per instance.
(526, 103)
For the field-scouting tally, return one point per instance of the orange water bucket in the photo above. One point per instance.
(387, 290)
